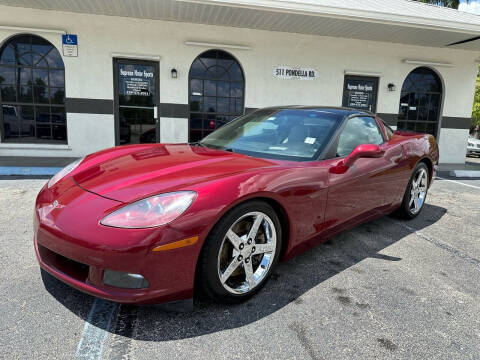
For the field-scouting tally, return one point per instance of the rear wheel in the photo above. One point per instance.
(241, 252)
(416, 192)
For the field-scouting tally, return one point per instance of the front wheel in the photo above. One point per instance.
(241, 252)
(416, 192)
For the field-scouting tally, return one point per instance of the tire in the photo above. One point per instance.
(411, 208)
(225, 259)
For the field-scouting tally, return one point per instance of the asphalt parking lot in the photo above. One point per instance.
(387, 289)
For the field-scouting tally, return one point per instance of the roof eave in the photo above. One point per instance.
(349, 14)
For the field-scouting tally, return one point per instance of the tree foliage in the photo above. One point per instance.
(476, 105)
(476, 102)
(447, 3)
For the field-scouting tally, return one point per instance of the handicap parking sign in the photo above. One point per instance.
(70, 45)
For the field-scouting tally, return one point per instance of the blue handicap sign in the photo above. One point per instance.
(69, 39)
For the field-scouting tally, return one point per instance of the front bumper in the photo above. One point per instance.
(71, 245)
(85, 282)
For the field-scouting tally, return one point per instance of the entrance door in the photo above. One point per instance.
(136, 101)
(360, 92)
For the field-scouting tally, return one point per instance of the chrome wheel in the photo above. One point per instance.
(247, 252)
(418, 191)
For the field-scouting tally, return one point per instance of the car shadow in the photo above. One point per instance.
(288, 283)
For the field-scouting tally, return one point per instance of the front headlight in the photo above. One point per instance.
(470, 144)
(150, 212)
(65, 171)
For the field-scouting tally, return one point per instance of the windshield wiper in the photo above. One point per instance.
(198, 143)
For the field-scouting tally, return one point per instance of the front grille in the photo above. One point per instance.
(478, 146)
(69, 267)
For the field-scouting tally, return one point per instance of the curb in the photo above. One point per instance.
(465, 173)
(28, 171)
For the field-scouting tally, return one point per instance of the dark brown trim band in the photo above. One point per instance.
(89, 106)
(169, 110)
(450, 122)
(101, 106)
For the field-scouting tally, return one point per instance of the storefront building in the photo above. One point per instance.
(77, 77)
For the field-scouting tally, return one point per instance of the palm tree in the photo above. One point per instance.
(447, 3)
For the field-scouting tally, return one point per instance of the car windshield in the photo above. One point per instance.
(288, 134)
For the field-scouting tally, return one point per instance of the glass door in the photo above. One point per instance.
(136, 101)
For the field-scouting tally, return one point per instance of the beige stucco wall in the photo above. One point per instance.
(91, 75)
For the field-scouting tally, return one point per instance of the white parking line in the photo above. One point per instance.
(458, 182)
(95, 332)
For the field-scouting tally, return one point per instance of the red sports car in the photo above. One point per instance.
(152, 223)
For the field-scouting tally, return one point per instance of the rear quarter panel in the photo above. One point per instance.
(419, 147)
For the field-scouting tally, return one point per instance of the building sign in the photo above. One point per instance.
(360, 92)
(287, 72)
(136, 81)
(70, 45)
(359, 99)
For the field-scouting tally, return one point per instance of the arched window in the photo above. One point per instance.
(420, 102)
(216, 92)
(32, 91)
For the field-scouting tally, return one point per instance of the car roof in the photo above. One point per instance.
(340, 111)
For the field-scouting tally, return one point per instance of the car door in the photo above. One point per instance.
(396, 154)
(366, 187)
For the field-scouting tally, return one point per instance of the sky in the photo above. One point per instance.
(473, 6)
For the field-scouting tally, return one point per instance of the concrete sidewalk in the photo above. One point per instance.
(471, 169)
(32, 166)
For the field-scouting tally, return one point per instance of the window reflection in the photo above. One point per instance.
(32, 91)
(357, 131)
(420, 102)
(137, 126)
(216, 92)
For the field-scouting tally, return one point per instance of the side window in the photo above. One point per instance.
(388, 129)
(357, 131)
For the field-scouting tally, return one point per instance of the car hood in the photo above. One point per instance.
(133, 172)
(474, 141)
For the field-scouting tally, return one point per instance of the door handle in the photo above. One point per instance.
(401, 157)
(404, 153)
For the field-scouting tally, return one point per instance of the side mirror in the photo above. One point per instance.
(363, 151)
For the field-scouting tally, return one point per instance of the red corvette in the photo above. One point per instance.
(150, 223)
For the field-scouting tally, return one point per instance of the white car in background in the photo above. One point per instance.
(473, 146)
